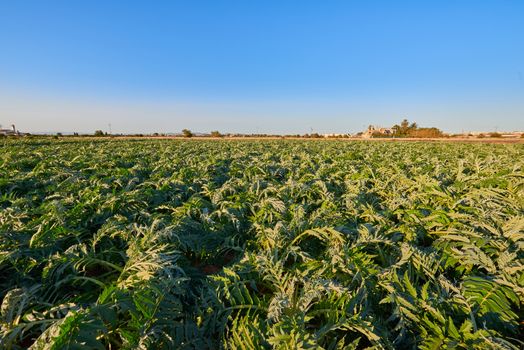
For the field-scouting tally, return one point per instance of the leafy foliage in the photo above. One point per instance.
(157, 244)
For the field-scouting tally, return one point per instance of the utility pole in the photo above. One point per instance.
(109, 128)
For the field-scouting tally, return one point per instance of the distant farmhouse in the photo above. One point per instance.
(12, 131)
(374, 130)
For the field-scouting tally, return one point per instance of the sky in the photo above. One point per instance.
(261, 66)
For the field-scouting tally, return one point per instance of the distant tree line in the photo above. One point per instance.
(403, 130)
(407, 129)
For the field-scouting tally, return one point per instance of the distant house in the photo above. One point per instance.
(11, 131)
(372, 129)
(334, 135)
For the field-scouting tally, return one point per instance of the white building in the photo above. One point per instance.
(11, 131)
(377, 130)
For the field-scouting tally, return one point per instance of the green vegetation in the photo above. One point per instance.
(405, 129)
(155, 244)
(187, 133)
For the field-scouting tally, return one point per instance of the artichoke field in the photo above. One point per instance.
(171, 244)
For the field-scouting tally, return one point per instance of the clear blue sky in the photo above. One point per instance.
(261, 66)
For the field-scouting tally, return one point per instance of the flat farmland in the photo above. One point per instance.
(254, 244)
